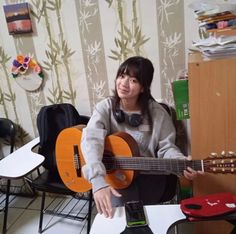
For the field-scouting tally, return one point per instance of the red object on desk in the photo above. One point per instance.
(207, 206)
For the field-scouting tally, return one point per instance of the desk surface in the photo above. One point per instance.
(160, 218)
(21, 162)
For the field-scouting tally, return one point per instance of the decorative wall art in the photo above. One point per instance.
(18, 18)
(27, 73)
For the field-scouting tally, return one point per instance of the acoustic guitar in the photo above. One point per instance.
(121, 159)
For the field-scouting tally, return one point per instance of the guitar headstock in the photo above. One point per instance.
(225, 163)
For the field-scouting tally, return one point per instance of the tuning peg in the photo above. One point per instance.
(231, 153)
(223, 153)
(213, 155)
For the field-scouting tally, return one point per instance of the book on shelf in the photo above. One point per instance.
(228, 31)
(216, 18)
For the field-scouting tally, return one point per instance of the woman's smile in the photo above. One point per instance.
(124, 91)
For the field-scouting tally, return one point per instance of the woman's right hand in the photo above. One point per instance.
(102, 199)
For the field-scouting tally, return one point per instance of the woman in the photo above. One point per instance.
(133, 110)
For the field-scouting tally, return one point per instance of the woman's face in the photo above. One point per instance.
(128, 87)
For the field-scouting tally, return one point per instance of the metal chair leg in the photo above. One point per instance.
(4, 229)
(41, 212)
(89, 211)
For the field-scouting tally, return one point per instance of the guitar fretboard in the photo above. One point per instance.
(176, 166)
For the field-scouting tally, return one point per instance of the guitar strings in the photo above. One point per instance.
(137, 163)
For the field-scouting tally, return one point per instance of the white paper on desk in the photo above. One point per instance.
(207, 56)
(210, 41)
(214, 41)
(219, 49)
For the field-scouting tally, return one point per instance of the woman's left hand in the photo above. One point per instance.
(190, 173)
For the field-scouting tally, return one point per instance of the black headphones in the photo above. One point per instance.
(133, 120)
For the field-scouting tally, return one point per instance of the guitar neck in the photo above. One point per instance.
(175, 166)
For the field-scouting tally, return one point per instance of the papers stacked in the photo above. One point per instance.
(216, 47)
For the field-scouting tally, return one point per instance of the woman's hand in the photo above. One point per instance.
(190, 173)
(102, 199)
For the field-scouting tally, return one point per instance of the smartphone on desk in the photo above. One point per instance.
(135, 215)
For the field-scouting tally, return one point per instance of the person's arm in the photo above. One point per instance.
(168, 149)
(92, 146)
(166, 146)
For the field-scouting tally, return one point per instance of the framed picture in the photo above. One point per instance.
(18, 18)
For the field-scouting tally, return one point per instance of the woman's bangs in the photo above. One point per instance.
(131, 70)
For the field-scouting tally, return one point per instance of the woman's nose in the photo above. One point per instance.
(125, 81)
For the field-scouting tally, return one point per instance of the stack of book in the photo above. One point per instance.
(217, 29)
(219, 23)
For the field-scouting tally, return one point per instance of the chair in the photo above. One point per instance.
(7, 133)
(58, 117)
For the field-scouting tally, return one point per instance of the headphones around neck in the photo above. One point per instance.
(133, 120)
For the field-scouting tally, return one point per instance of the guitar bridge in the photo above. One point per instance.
(77, 161)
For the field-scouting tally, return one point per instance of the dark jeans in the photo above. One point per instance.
(151, 189)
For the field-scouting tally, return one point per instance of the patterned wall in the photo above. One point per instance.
(80, 44)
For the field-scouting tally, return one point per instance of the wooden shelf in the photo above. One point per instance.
(212, 98)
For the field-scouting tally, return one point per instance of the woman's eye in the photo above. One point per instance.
(133, 80)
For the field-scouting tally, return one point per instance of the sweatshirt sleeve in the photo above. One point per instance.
(92, 146)
(167, 147)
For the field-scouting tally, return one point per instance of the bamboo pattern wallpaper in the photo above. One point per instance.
(80, 43)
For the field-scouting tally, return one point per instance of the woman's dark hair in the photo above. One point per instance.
(142, 69)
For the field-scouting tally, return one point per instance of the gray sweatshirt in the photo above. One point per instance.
(156, 142)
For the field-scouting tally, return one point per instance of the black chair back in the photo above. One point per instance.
(8, 132)
(50, 121)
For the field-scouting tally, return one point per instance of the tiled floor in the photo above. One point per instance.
(23, 217)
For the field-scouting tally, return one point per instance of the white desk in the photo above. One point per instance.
(17, 165)
(21, 162)
(160, 218)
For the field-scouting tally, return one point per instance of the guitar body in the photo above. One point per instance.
(70, 170)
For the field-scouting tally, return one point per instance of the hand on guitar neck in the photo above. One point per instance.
(190, 173)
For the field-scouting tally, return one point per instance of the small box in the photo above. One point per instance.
(181, 98)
